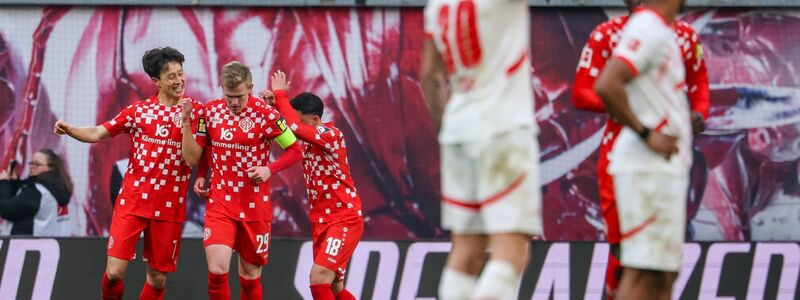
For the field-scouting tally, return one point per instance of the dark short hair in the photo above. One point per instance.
(155, 60)
(308, 103)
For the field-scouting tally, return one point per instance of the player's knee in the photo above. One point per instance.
(115, 273)
(218, 268)
(250, 274)
(469, 260)
(156, 279)
(321, 275)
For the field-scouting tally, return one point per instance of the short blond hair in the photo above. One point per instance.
(235, 73)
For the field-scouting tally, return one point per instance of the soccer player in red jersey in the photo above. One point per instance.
(239, 130)
(335, 214)
(153, 194)
(595, 54)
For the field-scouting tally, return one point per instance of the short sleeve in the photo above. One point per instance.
(123, 122)
(642, 39)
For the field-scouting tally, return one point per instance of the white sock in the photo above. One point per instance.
(455, 285)
(498, 281)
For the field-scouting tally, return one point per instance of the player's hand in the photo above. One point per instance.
(268, 96)
(186, 112)
(61, 127)
(259, 174)
(698, 123)
(4, 175)
(279, 81)
(662, 144)
(200, 187)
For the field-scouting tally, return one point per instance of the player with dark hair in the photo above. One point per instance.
(237, 131)
(153, 194)
(642, 87)
(594, 56)
(337, 223)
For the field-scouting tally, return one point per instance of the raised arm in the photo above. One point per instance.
(190, 148)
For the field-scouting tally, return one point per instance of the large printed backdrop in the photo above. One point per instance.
(84, 65)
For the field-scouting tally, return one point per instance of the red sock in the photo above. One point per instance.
(345, 295)
(613, 274)
(218, 288)
(251, 289)
(322, 292)
(151, 293)
(112, 290)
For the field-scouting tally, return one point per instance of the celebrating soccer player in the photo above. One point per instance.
(153, 194)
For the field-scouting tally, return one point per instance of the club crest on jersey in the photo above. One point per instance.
(246, 124)
(177, 119)
(322, 129)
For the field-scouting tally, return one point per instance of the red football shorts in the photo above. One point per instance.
(162, 240)
(334, 243)
(251, 239)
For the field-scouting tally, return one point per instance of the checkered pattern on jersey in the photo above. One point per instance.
(157, 178)
(331, 191)
(237, 143)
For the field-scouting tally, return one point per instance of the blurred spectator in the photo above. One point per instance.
(37, 206)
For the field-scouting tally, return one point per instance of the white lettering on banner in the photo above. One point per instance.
(304, 263)
(49, 253)
(711, 273)
(389, 259)
(412, 269)
(554, 274)
(595, 285)
(691, 255)
(760, 270)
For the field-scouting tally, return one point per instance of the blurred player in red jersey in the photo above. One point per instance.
(595, 54)
(337, 223)
(153, 194)
(642, 87)
(238, 130)
(489, 153)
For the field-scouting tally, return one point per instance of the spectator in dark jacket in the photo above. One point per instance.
(37, 206)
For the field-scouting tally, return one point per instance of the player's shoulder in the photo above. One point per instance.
(611, 25)
(329, 129)
(684, 29)
(603, 32)
(265, 110)
(215, 104)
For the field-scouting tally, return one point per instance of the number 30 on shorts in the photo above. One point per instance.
(333, 246)
(263, 243)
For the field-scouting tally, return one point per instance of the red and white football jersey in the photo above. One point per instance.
(331, 192)
(238, 142)
(656, 96)
(157, 178)
(604, 39)
(485, 47)
(597, 52)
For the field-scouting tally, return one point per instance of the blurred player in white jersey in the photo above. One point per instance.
(642, 87)
(489, 153)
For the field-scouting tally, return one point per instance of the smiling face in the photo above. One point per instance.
(171, 82)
